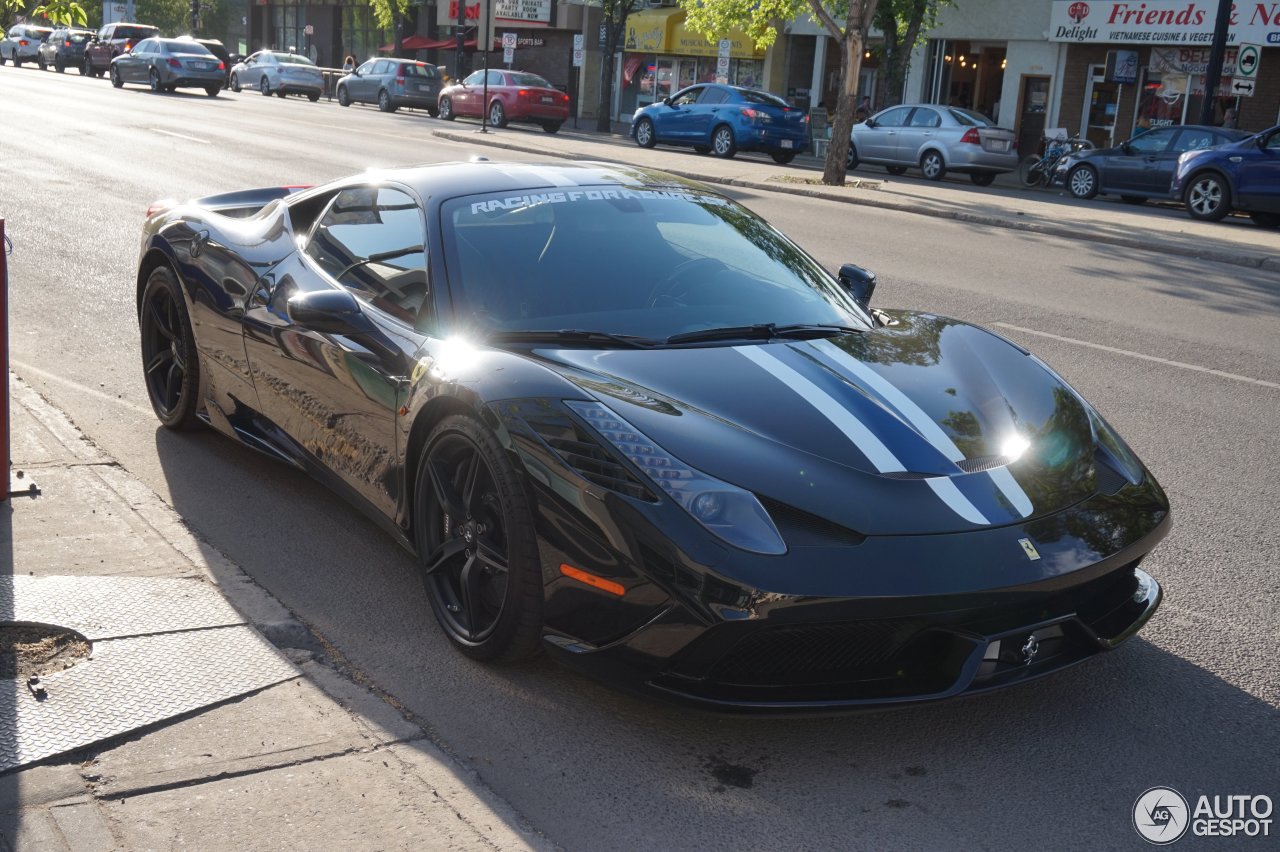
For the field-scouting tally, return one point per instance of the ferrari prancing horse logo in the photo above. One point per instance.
(1030, 548)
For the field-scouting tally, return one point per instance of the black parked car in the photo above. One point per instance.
(218, 49)
(63, 49)
(621, 418)
(1141, 168)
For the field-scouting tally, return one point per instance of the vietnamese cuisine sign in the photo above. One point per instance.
(1162, 22)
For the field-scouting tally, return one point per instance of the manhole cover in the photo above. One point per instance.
(39, 649)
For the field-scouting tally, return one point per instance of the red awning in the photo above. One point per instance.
(420, 42)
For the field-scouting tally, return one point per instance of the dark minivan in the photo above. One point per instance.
(111, 41)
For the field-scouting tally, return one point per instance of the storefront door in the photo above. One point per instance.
(1031, 115)
(1101, 103)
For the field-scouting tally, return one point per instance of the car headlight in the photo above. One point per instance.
(731, 513)
(1116, 450)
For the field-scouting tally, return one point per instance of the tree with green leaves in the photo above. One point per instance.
(390, 15)
(615, 23)
(65, 12)
(846, 21)
(906, 25)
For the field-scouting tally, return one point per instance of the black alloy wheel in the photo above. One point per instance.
(170, 368)
(474, 532)
(445, 110)
(645, 137)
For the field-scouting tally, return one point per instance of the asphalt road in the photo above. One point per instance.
(1181, 355)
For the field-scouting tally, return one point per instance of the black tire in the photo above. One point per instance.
(1208, 197)
(3, 60)
(86, 68)
(723, 145)
(896, 171)
(982, 178)
(60, 66)
(1266, 220)
(17, 62)
(701, 149)
(783, 157)
(115, 78)
(235, 83)
(851, 160)
(1030, 171)
(264, 86)
(932, 166)
(384, 101)
(280, 93)
(344, 97)
(551, 126)
(1136, 200)
(153, 80)
(477, 550)
(497, 114)
(646, 137)
(445, 109)
(41, 64)
(212, 91)
(170, 367)
(313, 97)
(1082, 182)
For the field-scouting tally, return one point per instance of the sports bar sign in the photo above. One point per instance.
(1162, 22)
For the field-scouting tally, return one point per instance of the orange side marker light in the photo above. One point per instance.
(592, 580)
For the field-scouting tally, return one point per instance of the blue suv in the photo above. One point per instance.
(1242, 176)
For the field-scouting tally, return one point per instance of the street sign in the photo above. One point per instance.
(579, 56)
(508, 42)
(508, 55)
(577, 41)
(603, 35)
(1242, 87)
(1248, 60)
(725, 47)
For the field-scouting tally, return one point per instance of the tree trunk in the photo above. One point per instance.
(604, 111)
(850, 68)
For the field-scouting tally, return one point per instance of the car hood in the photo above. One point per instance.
(905, 429)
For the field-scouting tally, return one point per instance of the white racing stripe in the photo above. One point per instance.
(523, 172)
(923, 423)
(867, 443)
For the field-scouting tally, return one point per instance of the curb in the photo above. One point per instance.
(1229, 256)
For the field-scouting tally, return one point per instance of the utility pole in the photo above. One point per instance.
(462, 23)
(195, 16)
(1213, 75)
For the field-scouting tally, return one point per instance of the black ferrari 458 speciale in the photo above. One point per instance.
(619, 417)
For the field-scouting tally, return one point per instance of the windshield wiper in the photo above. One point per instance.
(569, 335)
(763, 331)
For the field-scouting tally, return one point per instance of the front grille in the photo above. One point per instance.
(982, 463)
(815, 653)
(592, 461)
(1109, 480)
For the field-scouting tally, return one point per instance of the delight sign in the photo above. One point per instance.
(1162, 22)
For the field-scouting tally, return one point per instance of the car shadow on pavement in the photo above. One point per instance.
(1065, 756)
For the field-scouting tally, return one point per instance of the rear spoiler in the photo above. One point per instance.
(239, 204)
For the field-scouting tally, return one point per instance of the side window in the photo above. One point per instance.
(366, 68)
(713, 95)
(687, 97)
(923, 117)
(475, 78)
(382, 66)
(1151, 143)
(1194, 140)
(495, 78)
(371, 241)
(896, 117)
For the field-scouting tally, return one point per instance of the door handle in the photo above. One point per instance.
(1236, 159)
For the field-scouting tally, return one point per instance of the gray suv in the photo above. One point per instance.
(391, 84)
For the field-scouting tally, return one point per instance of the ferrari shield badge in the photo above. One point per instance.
(1029, 548)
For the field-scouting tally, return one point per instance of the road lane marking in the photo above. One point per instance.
(1222, 374)
(180, 135)
(22, 369)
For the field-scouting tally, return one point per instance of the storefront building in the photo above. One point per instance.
(813, 66)
(1036, 65)
(661, 56)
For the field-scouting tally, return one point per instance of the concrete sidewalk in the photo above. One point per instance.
(1005, 204)
(314, 761)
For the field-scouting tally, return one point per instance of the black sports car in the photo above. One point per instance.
(619, 417)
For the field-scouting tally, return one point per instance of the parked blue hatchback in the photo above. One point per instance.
(724, 120)
(1242, 176)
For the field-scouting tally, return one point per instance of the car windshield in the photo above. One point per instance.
(135, 33)
(969, 118)
(635, 262)
(79, 37)
(521, 78)
(753, 96)
(293, 59)
(38, 32)
(412, 69)
(172, 45)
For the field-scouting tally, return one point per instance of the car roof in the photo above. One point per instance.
(479, 177)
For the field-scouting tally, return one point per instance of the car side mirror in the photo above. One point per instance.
(329, 312)
(667, 100)
(860, 283)
(870, 122)
(1126, 147)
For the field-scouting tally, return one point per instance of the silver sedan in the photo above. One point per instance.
(274, 72)
(165, 64)
(935, 139)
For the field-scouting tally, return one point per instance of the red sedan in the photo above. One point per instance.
(513, 96)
